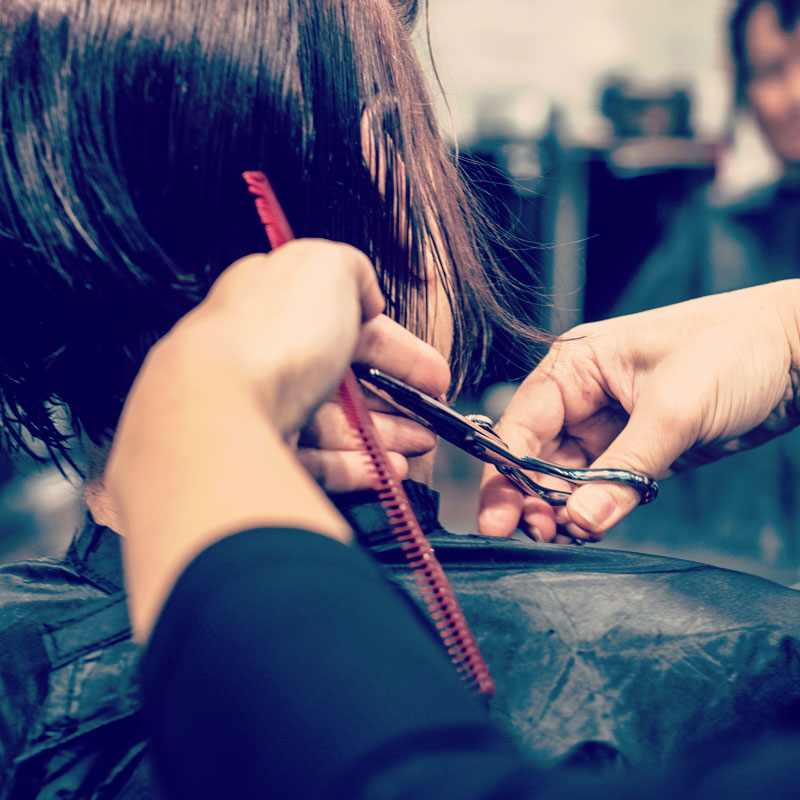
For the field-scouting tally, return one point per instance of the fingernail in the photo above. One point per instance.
(594, 504)
(528, 524)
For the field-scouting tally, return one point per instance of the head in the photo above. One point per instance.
(126, 125)
(765, 44)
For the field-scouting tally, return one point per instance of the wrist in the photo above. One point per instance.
(786, 298)
(201, 353)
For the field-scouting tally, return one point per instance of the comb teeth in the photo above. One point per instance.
(435, 590)
(269, 210)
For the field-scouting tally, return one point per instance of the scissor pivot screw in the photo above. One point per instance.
(481, 420)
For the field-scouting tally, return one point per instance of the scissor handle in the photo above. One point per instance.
(646, 485)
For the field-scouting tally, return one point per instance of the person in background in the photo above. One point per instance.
(712, 247)
(716, 248)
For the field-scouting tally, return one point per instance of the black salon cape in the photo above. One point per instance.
(283, 665)
(599, 657)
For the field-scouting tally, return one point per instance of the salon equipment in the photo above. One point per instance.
(475, 435)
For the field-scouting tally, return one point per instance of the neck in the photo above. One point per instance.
(104, 510)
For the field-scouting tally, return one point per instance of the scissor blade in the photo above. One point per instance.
(442, 420)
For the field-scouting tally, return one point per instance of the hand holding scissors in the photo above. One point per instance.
(653, 392)
(475, 435)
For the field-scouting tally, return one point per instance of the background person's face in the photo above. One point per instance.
(774, 86)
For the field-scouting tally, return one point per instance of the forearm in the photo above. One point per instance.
(202, 461)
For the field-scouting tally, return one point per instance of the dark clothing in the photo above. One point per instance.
(70, 697)
(713, 247)
(742, 512)
(338, 692)
(600, 657)
(301, 716)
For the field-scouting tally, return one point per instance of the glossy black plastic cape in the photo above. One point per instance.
(599, 656)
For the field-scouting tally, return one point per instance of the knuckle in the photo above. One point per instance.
(578, 332)
(373, 338)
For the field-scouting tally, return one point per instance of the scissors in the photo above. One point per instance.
(474, 433)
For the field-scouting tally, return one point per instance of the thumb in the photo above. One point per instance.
(370, 295)
(651, 441)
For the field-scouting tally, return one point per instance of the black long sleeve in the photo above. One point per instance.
(284, 666)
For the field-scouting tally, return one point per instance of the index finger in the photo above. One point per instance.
(534, 418)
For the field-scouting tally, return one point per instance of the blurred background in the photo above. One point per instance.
(607, 132)
(603, 138)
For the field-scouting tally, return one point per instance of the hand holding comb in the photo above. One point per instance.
(437, 595)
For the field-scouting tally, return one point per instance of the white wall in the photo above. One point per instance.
(561, 48)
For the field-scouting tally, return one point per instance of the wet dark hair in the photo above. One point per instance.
(126, 125)
(407, 11)
(788, 15)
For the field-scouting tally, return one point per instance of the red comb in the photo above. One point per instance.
(437, 594)
(269, 209)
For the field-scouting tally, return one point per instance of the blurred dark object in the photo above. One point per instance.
(636, 183)
(6, 468)
(627, 214)
(635, 110)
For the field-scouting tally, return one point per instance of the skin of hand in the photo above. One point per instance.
(686, 383)
(327, 447)
(202, 448)
(331, 452)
